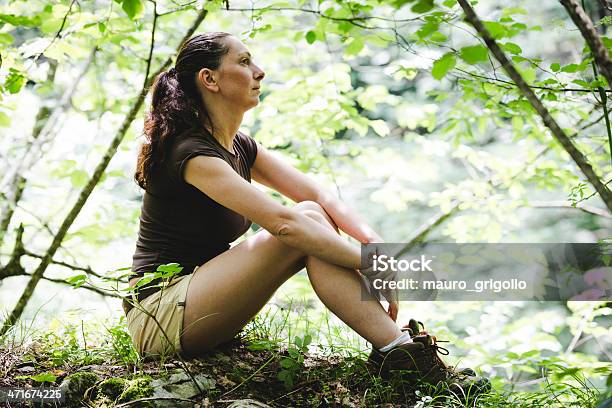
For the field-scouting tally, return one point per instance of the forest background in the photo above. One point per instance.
(434, 127)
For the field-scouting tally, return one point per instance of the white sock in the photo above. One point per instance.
(403, 339)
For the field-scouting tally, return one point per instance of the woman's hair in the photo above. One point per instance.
(176, 104)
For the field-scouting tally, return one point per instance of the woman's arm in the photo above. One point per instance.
(215, 178)
(273, 172)
(346, 219)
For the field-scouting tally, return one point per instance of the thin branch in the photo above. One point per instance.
(88, 287)
(91, 184)
(567, 205)
(589, 32)
(604, 102)
(146, 77)
(87, 270)
(42, 130)
(514, 85)
(591, 195)
(535, 102)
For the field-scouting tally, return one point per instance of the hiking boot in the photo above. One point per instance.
(421, 361)
(463, 382)
(415, 328)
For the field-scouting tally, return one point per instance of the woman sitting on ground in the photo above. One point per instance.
(196, 168)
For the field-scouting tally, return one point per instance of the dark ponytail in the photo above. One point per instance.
(176, 104)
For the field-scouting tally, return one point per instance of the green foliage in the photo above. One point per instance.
(293, 364)
(133, 8)
(136, 388)
(442, 65)
(474, 54)
(113, 387)
(42, 377)
(121, 344)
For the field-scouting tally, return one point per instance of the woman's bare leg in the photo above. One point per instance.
(229, 290)
(340, 289)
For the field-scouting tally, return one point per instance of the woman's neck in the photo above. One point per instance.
(226, 126)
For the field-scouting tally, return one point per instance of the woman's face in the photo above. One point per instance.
(238, 77)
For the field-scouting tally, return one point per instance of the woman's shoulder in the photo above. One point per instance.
(191, 139)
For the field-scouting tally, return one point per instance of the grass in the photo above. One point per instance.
(284, 357)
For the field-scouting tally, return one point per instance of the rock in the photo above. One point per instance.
(136, 388)
(248, 403)
(112, 387)
(180, 385)
(76, 386)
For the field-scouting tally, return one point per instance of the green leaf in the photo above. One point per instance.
(571, 68)
(311, 37)
(14, 81)
(170, 268)
(20, 20)
(293, 353)
(497, 30)
(6, 38)
(287, 363)
(133, 8)
(438, 37)
(78, 178)
(5, 120)
(442, 65)
(44, 377)
(355, 46)
(512, 48)
(423, 6)
(555, 67)
(77, 281)
(514, 10)
(427, 29)
(474, 54)
(380, 127)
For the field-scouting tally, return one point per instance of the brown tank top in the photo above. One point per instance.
(178, 222)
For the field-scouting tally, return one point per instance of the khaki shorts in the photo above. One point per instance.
(168, 307)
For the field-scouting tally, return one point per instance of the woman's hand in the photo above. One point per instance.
(374, 238)
(393, 309)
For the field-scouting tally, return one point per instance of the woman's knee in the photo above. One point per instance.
(309, 205)
(321, 219)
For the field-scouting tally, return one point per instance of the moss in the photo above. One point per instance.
(139, 387)
(75, 385)
(112, 387)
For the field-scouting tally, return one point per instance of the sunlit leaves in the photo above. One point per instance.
(427, 29)
(311, 37)
(133, 8)
(18, 21)
(474, 54)
(14, 81)
(511, 48)
(442, 65)
(6, 39)
(355, 46)
(380, 127)
(5, 120)
(423, 6)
